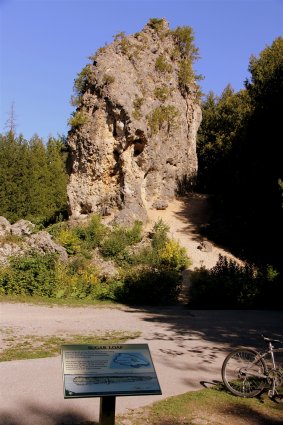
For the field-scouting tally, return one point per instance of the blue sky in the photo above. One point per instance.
(45, 43)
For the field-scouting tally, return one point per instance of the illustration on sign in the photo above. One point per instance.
(131, 360)
(97, 370)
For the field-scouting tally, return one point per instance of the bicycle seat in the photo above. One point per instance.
(272, 340)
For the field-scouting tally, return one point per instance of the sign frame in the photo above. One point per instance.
(108, 370)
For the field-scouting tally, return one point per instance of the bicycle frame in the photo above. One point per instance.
(270, 353)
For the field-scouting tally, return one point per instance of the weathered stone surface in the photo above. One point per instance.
(205, 246)
(123, 158)
(5, 226)
(10, 249)
(18, 240)
(43, 243)
(22, 228)
(106, 269)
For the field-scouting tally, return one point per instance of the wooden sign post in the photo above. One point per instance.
(107, 410)
(107, 371)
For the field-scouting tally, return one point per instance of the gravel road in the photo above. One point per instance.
(187, 347)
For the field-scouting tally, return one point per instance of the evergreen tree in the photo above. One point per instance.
(33, 178)
(14, 166)
(57, 157)
(240, 156)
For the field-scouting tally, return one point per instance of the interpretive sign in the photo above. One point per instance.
(108, 370)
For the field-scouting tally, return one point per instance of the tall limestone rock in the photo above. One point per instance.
(133, 136)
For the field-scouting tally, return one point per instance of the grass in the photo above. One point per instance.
(69, 302)
(23, 347)
(207, 407)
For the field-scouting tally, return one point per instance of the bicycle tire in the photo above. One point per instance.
(243, 375)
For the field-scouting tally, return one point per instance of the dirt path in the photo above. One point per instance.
(185, 216)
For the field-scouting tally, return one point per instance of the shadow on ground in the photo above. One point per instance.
(228, 328)
(44, 416)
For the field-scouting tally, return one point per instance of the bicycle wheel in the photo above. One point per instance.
(243, 373)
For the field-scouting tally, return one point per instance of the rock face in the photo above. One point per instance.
(133, 136)
(27, 241)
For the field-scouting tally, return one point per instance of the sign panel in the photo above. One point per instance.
(101, 370)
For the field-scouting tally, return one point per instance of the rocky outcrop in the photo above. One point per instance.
(18, 239)
(132, 141)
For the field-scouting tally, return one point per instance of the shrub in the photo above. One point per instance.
(162, 93)
(30, 275)
(108, 79)
(137, 107)
(184, 38)
(230, 285)
(163, 115)
(173, 256)
(93, 233)
(84, 78)
(79, 279)
(119, 239)
(149, 286)
(162, 65)
(78, 119)
(120, 36)
(185, 74)
(157, 25)
(70, 240)
(160, 234)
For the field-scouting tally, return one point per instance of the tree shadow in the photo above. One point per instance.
(228, 328)
(41, 415)
(249, 415)
(195, 214)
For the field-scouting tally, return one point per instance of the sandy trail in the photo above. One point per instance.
(185, 216)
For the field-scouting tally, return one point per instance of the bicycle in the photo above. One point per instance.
(247, 372)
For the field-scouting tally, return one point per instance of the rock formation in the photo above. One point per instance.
(132, 140)
(18, 239)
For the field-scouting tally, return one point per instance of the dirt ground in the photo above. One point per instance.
(185, 216)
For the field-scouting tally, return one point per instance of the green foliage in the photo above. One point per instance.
(149, 286)
(69, 240)
(84, 79)
(266, 72)
(33, 179)
(223, 122)
(173, 256)
(164, 253)
(78, 119)
(160, 234)
(120, 238)
(162, 65)
(150, 275)
(163, 115)
(138, 102)
(231, 285)
(184, 38)
(186, 74)
(157, 24)
(240, 159)
(93, 233)
(120, 36)
(31, 275)
(162, 93)
(108, 79)
(80, 239)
